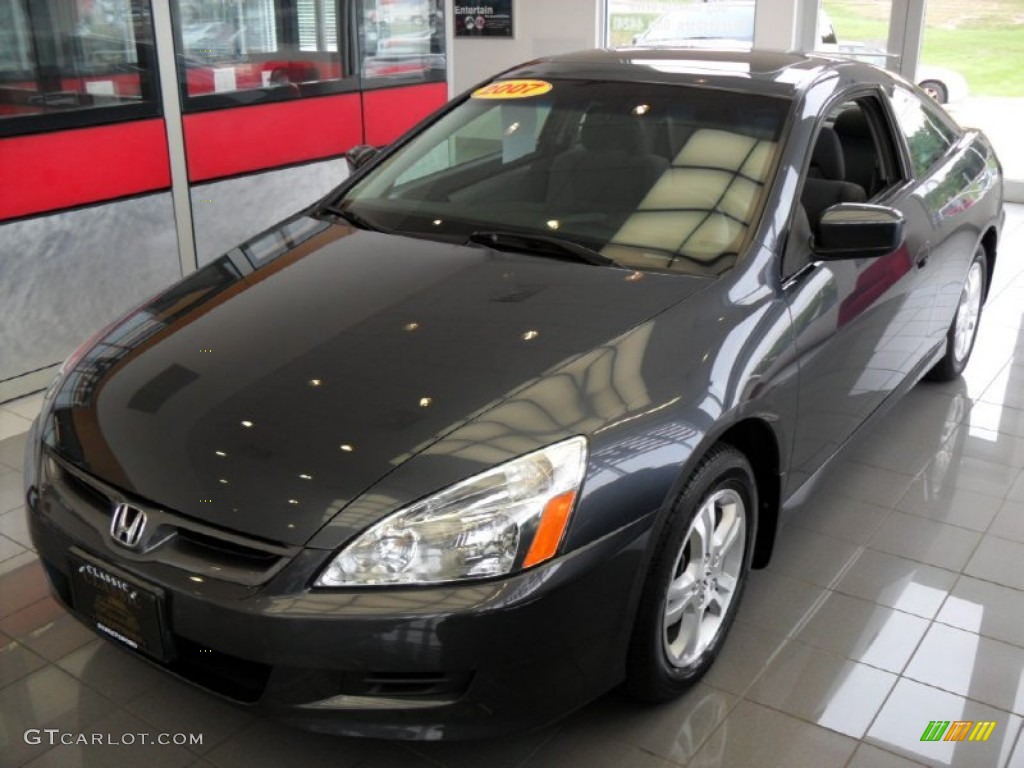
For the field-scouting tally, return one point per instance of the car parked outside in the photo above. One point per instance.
(730, 24)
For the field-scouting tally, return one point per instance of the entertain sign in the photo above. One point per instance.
(491, 20)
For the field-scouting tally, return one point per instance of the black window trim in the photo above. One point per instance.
(88, 117)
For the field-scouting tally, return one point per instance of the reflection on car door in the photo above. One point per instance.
(861, 324)
(950, 176)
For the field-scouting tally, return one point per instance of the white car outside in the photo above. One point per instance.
(730, 24)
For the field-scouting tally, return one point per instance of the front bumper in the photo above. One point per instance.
(443, 662)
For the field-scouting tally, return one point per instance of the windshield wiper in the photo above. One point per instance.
(540, 245)
(353, 218)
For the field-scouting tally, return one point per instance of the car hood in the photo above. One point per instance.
(265, 391)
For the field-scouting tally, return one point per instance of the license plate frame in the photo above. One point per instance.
(120, 606)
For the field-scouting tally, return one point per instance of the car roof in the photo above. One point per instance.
(764, 72)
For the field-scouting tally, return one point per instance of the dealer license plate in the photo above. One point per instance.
(119, 605)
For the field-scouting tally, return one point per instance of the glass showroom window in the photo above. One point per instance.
(234, 52)
(402, 41)
(679, 23)
(65, 63)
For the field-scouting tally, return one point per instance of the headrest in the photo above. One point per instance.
(610, 131)
(828, 156)
(852, 122)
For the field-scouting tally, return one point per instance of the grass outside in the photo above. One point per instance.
(983, 40)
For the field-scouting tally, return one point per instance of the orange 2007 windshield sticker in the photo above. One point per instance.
(512, 89)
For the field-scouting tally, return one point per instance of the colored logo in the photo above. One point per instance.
(958, 730)
(512, 89)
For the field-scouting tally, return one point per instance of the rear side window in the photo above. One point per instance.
(928, 137)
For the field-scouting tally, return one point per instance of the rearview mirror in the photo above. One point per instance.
(857, 230)
(360, 155)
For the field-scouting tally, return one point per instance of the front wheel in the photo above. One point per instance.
(964, 328)
(696, 578)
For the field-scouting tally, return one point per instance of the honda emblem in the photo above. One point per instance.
(127, 525)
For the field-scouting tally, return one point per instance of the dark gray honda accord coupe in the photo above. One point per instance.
(504, 421)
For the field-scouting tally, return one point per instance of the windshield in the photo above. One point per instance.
(650, 176)
(703, 22)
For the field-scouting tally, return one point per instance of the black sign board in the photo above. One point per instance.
(492, 18)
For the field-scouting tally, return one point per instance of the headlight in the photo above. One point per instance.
(507, 518)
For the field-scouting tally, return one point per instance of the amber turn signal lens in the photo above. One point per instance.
(552, 526)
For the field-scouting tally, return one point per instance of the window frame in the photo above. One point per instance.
(207, 102)
(884, 129)
(148, 107)
(381, 82)
(350, 53)
(894, 159)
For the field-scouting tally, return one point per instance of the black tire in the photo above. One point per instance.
(936, 89)
(653, 673)
(952, 364)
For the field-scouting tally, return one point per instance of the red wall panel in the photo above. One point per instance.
(50, 171)
(226, 142)
(390, 112)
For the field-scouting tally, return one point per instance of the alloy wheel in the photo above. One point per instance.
(704, 578)
(968, 312)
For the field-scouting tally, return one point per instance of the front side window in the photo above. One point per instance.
(928, 137)
(59, 57)
(651, 176)
(246, 51)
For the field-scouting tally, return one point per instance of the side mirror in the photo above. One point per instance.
(360, 155)
(857, 230)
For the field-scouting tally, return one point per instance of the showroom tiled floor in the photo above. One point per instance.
(894, 599)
